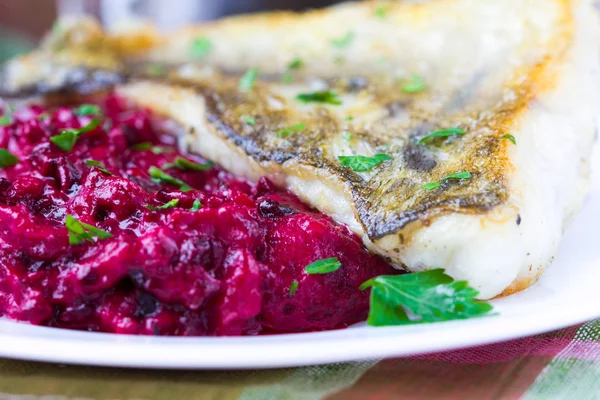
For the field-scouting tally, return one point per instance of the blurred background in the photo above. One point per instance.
(23, 22)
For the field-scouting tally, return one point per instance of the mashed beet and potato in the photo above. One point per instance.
(109, 228)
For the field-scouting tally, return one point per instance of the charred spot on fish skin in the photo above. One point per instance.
(418, 158)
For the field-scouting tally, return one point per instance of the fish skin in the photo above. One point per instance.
(479, 92)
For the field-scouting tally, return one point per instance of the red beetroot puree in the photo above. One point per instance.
(225, 269)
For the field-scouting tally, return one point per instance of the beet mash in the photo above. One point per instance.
(197, 253)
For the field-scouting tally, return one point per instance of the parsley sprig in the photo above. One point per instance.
(321, 96)
(170, 204)
(159, 176)
(248, 80)
(454, 176)
(443, 133)
(68, 137)
(80, 232)
(429, 296)
(363, 163)
(184, 164)
(7, 159)
(324, 266)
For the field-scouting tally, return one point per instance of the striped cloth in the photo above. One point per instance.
(558, 365)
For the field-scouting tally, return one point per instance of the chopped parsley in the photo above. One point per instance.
(99, 165)
(80, 232)
(413, 85)
(510, 137)
(186, 165)
(155, 149)
(363, 163)
(249, 120)
(443, 133)
(159, 176)
(248, 79)
(296, 63)
(324, 266)
(420, 297)
(7, 159)
(293, 288)
(349, 118)
(200, 48)
(170, 204)
(381, 12)
(455, 176)
(288, 131)
(321, 96)
(344, 41)
(88, 109)
(196, 206)
(6, 120)
(347, 136)
(68, 137)
(142, 146)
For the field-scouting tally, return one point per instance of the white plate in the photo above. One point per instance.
(566, 294)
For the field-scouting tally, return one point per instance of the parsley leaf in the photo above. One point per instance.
(443, 133)
(7, 159)
(248, 120)
(196, 206)
(142, 146)
(324, 266)
(155, 149)
(200, 47)
(293, 288)
(288, 131)
(159, 176)
(68, 137)
(6, 120)
(344, 41)
(247, 81)
(101, 167)
(363, 163)
(414, 85)
(170, 204)
(429, 296)
(322, 96)
(80, 232)
(456, 176)
(510, 137)
(186, 165)
(296, 63)
(87, 109)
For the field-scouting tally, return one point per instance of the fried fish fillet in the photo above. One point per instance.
(518, 77)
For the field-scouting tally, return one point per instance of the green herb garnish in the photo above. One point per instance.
(196, 206)
(293, 288)
(322, 96)
(413, 85)
(429, 296)
(381, 12)
(296, 63)
(159, 176)
(363, 163)
(68, 137)
(249, 120)
(443, 133)
(170, 204)
(99, 165)
(510, 137)
(7, 159)
(347, 136)
(247, 81)
(288, 131)
(162, 150)
(88, 109)
(343, 41)
(349, 118)
(186, 165)
(156, 70)
(80, 232)
(6, 120)
(455, 176)
(200, 47)
(142, 146)
(324, 266)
